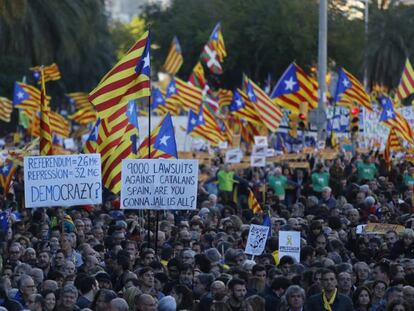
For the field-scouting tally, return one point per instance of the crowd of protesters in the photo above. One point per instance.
(103, 259)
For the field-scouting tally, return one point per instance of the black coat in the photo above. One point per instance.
(341, 303)
(400, 249)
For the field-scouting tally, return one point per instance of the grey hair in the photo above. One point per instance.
(295, 289)
(70, 289)
(120, 304)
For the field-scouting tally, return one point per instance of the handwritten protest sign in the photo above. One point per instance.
(62, 180)
(289, 244)
(256, 240)
(159, 184)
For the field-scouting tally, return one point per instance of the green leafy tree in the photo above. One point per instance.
(261, 36)
(390, 41)
(72, 33)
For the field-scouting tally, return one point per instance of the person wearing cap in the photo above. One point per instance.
(104, 280)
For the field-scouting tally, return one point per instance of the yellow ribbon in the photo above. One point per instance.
(327, 303)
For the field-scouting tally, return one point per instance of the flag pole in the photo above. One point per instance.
(149, 157)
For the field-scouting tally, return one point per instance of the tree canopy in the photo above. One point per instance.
(261, 36)
(72, 33)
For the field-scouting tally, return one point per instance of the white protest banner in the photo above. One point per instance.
(321, 144)
(223, 145)
(270, 152)
(257, 161)
(63, 180)
(256, 240)
(159, 184)
(260, 140)
(233, 156)
(289, 244)
(69, 143)
(259, 150)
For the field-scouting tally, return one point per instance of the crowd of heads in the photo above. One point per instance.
(101, 258)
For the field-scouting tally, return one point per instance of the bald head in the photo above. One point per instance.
(146, 302)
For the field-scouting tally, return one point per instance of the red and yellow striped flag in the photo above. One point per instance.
(269, 112)
(190, 95)
(45, 143)
(393, 144)
(50, 73)
(6, 108)
(80, 99)
(174, 58)
(125, 81)
(83, 116)
(254, 206)
(406, 86)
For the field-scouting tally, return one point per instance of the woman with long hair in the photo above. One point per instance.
(102, 299)
(49, 301)
(362, 299)
(183, 297)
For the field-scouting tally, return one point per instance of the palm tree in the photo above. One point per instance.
(72, 33)
(390, 41)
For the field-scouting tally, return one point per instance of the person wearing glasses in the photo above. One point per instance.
(26, 287)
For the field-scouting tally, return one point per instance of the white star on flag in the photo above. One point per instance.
(345, 82)
(290, 84)
(239, 103)
(159, 100)
(171, 89)
(20, 95)
(163, 140)
(250, 94)
(131, 109)
(390, 114)
(193, 121)
(5, 169)
(146, 61)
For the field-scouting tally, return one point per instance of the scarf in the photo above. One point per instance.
(327, 303)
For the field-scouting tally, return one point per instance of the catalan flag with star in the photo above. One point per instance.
(174, 58)
(129, 79)
(27, 97)
(269, 112)
(6, 175)
(91, 145)
(50, 73)
(125, 149)
(349, 88)
(395, 120)
(295, 87)
(243, 108)
(161, 142)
